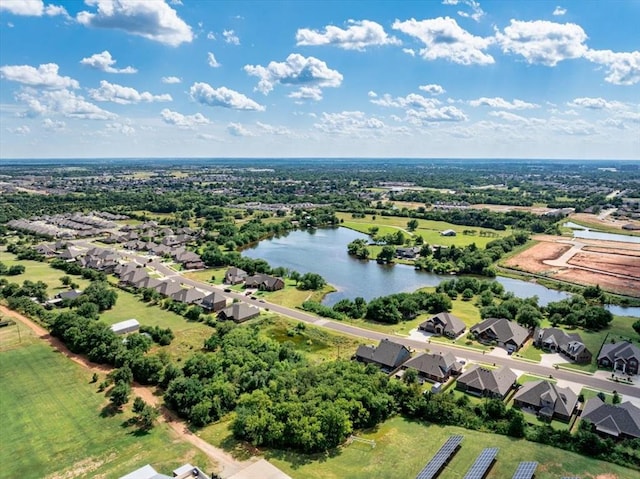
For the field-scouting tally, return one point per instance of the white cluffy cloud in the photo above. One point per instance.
(296, 70)
(420, 110)
(231, 37)
(623, 68)
(211, 60)
(357, 36)
(50, 124)
(349, 123)
(237, 129)
(104, 62)
(20, 130)
(445, 39)
(307, 93)
(171, 80)
(596, 104)
(32, 8)
(207, 95)
(155, 20)
(543, 42)
(559, 11)
(503, 104)
(61, 102)
(183, 121)
(124, 95)
(476, 11)
(432, 89)
(45, 76)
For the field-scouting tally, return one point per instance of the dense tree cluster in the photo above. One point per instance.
(404, 306)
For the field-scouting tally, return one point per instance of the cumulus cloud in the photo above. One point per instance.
(348, 123)
(513, 118)
(295, 70)
(273, 129)
(236, 129)
(307, 93)
(420, 110)
(231, 37)
(572, 127)
(623, 68)
(155, 21)
(50, 124)
(211, 60)
(432, 89)
(412, 100)
(122, 128)
(32, 8)
(543, 42)
(183, 121)
(596, 104)
(476, 11)
(357, 36)
(45, 76)
(104, 62)
(61, 102)
(171, 80)
(124, 95)
(503, 104)
(445, 39)
(372, 94)
(207, 95)
(20, 130)
(559, 11)
(211, 36)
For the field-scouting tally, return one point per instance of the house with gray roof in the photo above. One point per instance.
(168, 287)
(188, 295)
(149, 282)
(213, 302)
(239, 312)
(557, 340)
(235, 275)
(618, 421)
(435, 367)
(264, 282)
(444, 324)
(622, 357)
(506, 334)
(547, 399)
(135, 277)
(388, 355)
(485, 382)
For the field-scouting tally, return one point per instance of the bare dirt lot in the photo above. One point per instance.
(612, 265)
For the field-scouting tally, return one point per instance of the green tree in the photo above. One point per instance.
(100, 293)
(119, 395)
(636, 326)
(311, 281)
(412, 224)
(88, 310)
(194, 313)
(387, 254)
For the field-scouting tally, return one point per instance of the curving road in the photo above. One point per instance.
(601, 383)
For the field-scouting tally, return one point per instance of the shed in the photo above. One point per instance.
(448, 233)
(124, 327)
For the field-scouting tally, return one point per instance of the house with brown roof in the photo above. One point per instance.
(557, 340)
(618, 421)
(506, 334)
(485, 382)
(435, 367)
(264, 282)
(239, 312)
(444, 324)
(622, 357)
(388, 355)
(547, 399)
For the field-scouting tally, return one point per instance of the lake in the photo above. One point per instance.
(324, 251)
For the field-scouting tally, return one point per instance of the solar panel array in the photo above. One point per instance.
(432, 469)
(482, 464)
(525, 470)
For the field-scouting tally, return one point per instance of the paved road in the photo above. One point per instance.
(471, 355)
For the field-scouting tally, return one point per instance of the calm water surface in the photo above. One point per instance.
(324, 251)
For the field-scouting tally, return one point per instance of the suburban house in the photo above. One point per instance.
(183, 472)
(507, 334)
(213, 302)
(618, 421)
(69, 253)
(547, 400)
(239, 312)
(447, 233)
(485, 382)
(128, 326)
(264, 282)
(46, 250)
(407, 253)
(387, 355)
(168, 287)
(188, 295)
(235, 275)
(557, 340)
(132, 278)
(444, 324)
(149, 282)
(434, 367)
(622, 357)
(190, 260)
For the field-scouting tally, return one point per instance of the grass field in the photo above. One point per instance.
(205, 275)
(52, 424)
(403, 447)
(429, 230)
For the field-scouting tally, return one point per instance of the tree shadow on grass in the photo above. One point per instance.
(110, 411)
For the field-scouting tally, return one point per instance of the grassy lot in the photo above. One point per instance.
(52, 424)
(37, 271)
(403, 447)
(589, 393)
(189, 335)
(428, 229)
(16, 336)
(205, 275)
(293, 297)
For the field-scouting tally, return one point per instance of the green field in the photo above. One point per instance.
(53, 425)
(403, 447)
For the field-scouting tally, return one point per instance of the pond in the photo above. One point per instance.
(585, 233)
(324, 251)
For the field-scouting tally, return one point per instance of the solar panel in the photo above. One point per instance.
(432, 469)
(525, 470)
(482, 464)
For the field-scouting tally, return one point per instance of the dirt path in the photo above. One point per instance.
(227, 463)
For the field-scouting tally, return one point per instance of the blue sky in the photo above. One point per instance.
(441, 78)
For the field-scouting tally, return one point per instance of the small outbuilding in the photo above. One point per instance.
(124, 327)
(447, 233)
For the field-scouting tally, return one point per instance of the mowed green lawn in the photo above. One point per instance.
(403, 447)
(52, 424)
